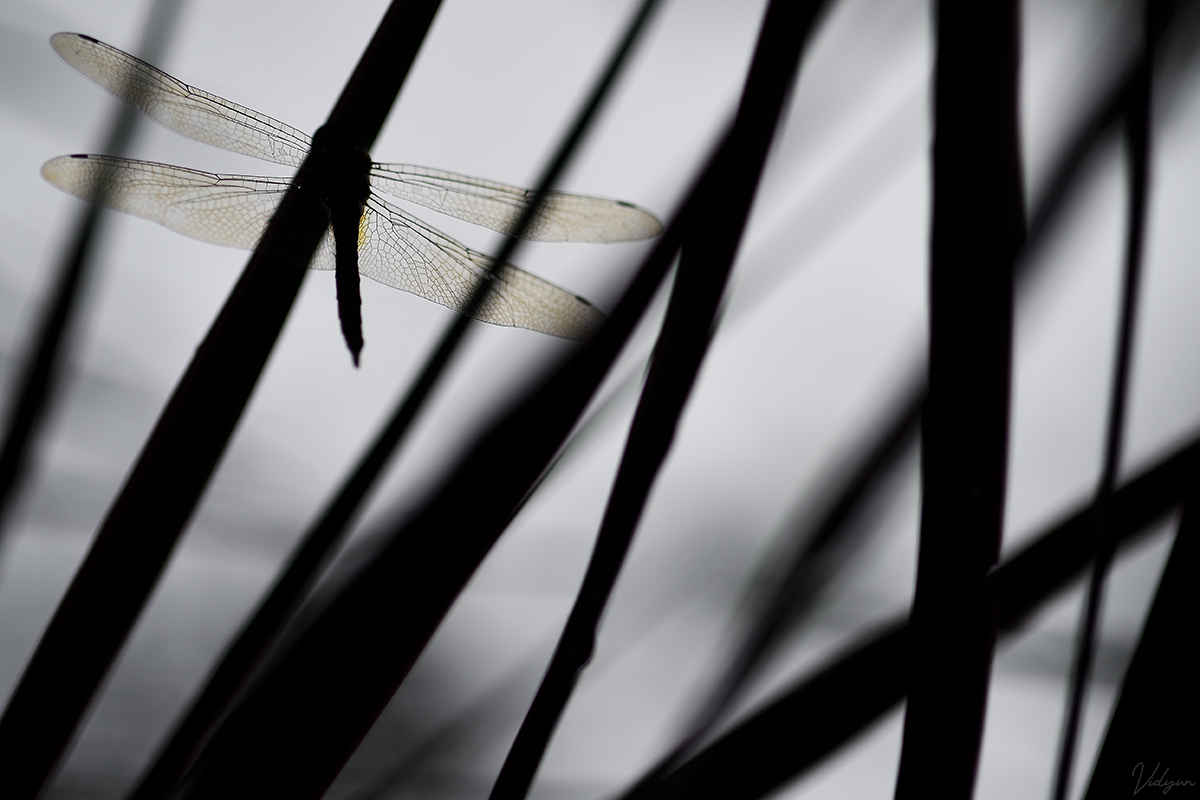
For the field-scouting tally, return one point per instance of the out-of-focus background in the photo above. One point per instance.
(824, 320)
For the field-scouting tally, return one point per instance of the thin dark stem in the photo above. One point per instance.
(708, 254)
(1137, 138)
(1066, 174)
(892, 440)
(293, 729)
(139, 533)
(1156, 709)
(802, 576)
(253, 641)
(566, 150)
(821, 713)
(38, 375)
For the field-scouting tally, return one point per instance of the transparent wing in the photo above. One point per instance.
(497, 206)
(184, 109)
(395, 248)
(232, 210)
(214, 120)
(399, 250)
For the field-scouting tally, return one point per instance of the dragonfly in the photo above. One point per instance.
(387, 244)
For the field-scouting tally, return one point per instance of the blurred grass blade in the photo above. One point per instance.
(977, 232)
(800, 581)
(823, 712)
(807, 573)
(1154, 721)
(1137, 140)
(252, 642)
(137, 537)
(709, 249)
(38, 375)
(483, 718)
(308, 710)
(466, 738)
(556, 166)
(823, 545)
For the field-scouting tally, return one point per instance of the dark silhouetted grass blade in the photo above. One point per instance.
(709, 248)
(1137, 139)
(978, 229)
(35, 386)
(310, 709)
(823, 712)
(803, 577)
(137, 537)
(253, 641)
(1154, 722)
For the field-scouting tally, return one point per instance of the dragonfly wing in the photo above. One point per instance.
(399, 250)
(232, 210)
(184, 109)
(498, 206)
(395, 248)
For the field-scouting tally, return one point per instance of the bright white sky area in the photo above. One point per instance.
(825, 316)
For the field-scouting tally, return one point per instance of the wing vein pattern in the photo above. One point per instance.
(395, 248)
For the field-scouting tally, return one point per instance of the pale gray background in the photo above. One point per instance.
(826, 313)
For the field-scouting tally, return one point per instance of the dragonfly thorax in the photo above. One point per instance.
(337, 169)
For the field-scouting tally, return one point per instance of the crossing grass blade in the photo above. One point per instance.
(38, 381)
(311, 707)
(306, 710)
(709, 249)
(255, 638)
(1159, 696)
(132, 546)
(1137, 138)
(820, 714)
